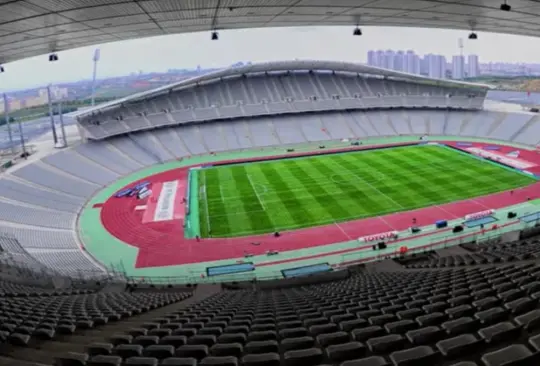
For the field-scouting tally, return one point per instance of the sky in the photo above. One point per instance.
(269, 44)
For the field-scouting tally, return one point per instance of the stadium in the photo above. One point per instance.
(295, 212)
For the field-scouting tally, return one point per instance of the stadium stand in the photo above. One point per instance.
(474, 304)
(279, 88)
(255, 106)
(483, 315)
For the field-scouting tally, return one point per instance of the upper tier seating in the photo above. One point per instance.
(273, 94)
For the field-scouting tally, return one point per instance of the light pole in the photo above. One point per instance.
(62, 129)
(97, 54)
(6, 116)
(51, 114)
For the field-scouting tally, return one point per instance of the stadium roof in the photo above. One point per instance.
(34, 27)
(277, 66)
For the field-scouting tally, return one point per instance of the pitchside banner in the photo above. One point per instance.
(479, 215)
(379, 237)
(165, 205)
(164, 202)
(514, 162)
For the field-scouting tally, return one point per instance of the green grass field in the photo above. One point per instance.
(262, 197)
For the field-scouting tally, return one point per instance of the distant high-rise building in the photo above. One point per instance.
(380, 59)
(473, 69)
(412, 63)
(458, 67)
(389, 56)
(398, 61)
(436, 66)
(372, 58)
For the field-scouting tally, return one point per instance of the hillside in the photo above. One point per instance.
(521, 83)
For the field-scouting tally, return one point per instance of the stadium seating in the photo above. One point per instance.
(43, 198)
(483, 253)
(483, 315)
(275, 94)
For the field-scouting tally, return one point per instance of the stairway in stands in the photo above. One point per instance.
(45, 352)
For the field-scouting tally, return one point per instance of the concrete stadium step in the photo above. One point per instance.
(453, 250)
(387, 265)
(46, 351)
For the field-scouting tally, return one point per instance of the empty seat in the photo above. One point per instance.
(511, 355)
(368, 361)
(350, 325)
(346, 351)
(329, 339)
(460, 325)
(219, 361)
(499, 332)
(198, 351)
(290, 344)
(141, 361)
(491, 316)
(173, 340)
(261, 347)
(418, 356)
(95, 349)
(179, 361)
(263, 359)
(363, 334)
(425, 335)
(159, 351)
(128, 350)
(529, 321)
(460, 345)
(304, 357)
(400, 326)
(386, 343)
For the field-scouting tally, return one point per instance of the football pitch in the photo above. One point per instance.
(263, 197)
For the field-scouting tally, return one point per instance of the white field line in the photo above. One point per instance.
(206, 207)
(261, 203)
(372, 186)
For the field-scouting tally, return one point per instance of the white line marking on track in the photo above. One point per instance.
(480, 203)
(386, 222)
(448, 212)
(343, 231)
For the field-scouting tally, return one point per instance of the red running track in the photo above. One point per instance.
(163, 243)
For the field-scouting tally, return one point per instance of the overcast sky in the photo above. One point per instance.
(326, 43)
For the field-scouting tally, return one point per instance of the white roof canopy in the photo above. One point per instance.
(34, 27)
(281, 66)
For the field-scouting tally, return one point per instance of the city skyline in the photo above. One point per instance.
(430, 65)
(270, 44)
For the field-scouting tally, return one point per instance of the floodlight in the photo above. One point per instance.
(505, 7)
(357, 31)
